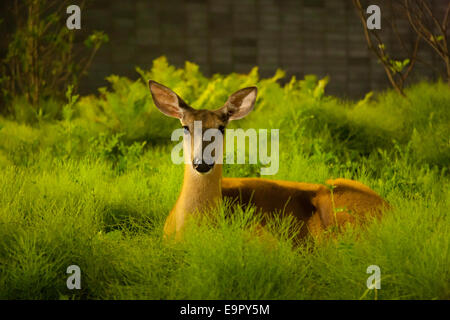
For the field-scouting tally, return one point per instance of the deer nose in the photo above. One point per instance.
(201, 166)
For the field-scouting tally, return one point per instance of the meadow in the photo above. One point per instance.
(90, 181)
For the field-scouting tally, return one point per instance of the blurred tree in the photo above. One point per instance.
(41, 59)
(426, 24)
(397, 71)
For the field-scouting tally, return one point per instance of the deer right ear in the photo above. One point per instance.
(167, 101)
(240, 103)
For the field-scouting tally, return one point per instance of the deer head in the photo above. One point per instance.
(201, 125)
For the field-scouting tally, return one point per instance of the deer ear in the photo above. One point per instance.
(240, 103)
(167, 101)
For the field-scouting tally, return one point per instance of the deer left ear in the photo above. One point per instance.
(240, 103)
(167, 101)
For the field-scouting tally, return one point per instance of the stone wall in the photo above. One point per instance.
(300, 36)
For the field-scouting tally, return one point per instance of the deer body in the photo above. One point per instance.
(314, 206)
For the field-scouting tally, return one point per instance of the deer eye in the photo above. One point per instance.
(186, 129)
(222, 129)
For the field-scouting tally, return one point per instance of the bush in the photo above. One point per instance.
(42, 60)
(300, 109)
(95, 187)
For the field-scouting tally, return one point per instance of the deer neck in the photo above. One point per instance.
(199, 192)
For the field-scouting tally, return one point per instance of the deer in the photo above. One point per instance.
(314, 207)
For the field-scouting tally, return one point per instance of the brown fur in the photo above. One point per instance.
(315, 207)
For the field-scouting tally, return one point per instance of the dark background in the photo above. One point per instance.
(300, 36)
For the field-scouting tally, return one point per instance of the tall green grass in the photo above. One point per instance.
(95, 188)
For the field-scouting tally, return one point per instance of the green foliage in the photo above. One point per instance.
(57, 213)
(71, 100)
(95, 187)
(112, 149)
(42, 60)
(397, 66)
(96, 39)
